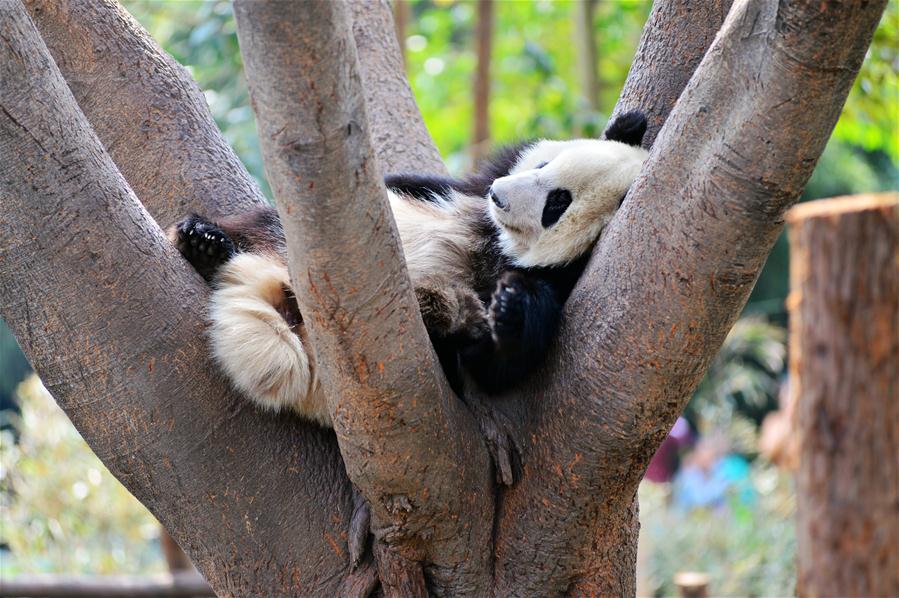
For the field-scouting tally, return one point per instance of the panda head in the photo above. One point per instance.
(559, 196)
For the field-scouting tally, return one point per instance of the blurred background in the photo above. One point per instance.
(718, 497)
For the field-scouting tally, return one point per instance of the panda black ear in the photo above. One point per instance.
(628, 128)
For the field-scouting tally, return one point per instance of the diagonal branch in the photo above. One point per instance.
(406, 440)
(674, 269)
(398, 131)
(675, 38)
(111, 318)
(159, 111)
(146, 109)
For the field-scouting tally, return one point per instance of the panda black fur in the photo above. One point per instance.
(492, 258)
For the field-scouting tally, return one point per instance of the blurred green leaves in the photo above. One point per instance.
(747, 549)
(61, 511)
(870, 119)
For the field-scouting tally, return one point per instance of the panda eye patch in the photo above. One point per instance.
(557, 201)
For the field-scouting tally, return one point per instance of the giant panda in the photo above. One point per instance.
(492, 258)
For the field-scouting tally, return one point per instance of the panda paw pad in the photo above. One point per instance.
(203, 244)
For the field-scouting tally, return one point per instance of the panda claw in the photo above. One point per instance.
(507, 308)
(203, 244)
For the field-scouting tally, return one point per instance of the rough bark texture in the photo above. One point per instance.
(260, 503)
(675, 38)
(145, 108)
(397, 130)
(666, 282)
(408, 443)
(110, 316)
(844, 376)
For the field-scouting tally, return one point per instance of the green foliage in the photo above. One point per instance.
(61, 510)
(747, 549)
(742, 382)
(13, 367)
(870, 119)
(534, 91)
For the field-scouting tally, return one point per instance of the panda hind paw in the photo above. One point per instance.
(203, 244)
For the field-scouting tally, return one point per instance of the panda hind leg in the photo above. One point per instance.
(203, 244)
(264, 352)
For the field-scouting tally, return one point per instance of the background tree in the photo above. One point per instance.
(670, 276)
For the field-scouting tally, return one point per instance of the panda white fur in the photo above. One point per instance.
(492, 258)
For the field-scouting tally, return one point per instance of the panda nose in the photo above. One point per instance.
(502, 205)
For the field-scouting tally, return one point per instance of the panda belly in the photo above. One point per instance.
(437, 239)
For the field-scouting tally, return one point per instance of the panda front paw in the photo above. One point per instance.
(507, 308)
(203, 244)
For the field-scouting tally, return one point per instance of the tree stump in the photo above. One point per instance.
(844, 368)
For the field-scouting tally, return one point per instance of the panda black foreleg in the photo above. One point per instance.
(204, 244)
(524, 316)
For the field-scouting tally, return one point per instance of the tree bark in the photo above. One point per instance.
(674, 41)
(111, 318)
(666, 282)
(397, 129)
(388, 398)
(146, 109)
(260, 502)
(844, 377)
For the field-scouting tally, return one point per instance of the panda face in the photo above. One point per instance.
(555, 202)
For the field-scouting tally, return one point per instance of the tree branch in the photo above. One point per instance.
(672, 273)
(675, 38)
(159, 111)
(111, 318)
(142, 104)
(407, 441)
(398, 132)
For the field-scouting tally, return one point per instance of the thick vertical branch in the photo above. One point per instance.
(111, 318)
(145, 108)
(844, 377)
(397, 130)
(672, 272)
(675, 38)
(405, 438)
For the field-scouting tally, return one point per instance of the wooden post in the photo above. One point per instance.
(844, 369)
(692, 584)
(484, 39)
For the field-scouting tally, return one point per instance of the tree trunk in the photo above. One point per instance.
(112, 318)
(480, 140)
(844, 376)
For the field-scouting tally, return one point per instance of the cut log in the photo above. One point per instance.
(844, 368)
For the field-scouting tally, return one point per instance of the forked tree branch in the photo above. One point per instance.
(407, 441)
(146, 109)
(111, 318)
(673, 270)
(674, 41)
(142, 103)
(398, 132)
